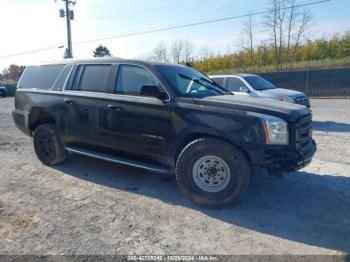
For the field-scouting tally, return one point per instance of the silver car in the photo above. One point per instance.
(256, 86)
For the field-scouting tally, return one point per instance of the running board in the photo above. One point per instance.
(120, 160)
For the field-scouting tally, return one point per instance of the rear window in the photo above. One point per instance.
(40, 77)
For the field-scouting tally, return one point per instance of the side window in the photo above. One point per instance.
(61, 80)
(40, 77)
(234, 84)
(219, 81)
(130, 79)
(94, 78)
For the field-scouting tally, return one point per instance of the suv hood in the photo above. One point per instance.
(266, 106)
(280, 92)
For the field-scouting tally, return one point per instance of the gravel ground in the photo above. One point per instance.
(87, 206)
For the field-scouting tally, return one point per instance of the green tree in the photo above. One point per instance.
(14, 72)
(101, 51)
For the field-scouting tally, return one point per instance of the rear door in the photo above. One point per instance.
(135, 123)
(83, 101)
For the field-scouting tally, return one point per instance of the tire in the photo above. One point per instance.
(48, 145)
(212, 172)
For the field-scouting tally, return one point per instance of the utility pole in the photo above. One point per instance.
(69, 14)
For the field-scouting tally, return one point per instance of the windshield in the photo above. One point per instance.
(259, 83)
(188, 82)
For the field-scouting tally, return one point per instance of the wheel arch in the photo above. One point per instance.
(190, 137)
(38, 117)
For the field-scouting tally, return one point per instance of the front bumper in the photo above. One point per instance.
(281, 158)
(287, 159)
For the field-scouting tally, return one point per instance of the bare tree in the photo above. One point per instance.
(271, 24)
(291, 24)
(177, 49)
(188, 48)
(287, 26)
(247, 39)
(304, 24)
(204, 52)
(262, 56)
(281, 20)
(160, 52)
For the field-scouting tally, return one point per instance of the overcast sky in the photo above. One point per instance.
(34, 24)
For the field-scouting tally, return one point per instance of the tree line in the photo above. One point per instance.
(323, 51)
(278, 42)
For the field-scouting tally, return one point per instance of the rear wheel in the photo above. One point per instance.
(48, 145)
(212, 172)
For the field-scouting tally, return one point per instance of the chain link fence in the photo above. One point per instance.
(314, 82)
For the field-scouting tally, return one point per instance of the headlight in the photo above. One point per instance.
(276, 130)
(286, 99)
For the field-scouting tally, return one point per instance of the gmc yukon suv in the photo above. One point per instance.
(163, 118)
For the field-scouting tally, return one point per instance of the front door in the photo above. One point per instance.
(134, 123)
(237, 86)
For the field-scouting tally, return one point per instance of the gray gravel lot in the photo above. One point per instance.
(87, 206)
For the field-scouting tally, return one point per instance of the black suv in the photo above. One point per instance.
(164, 118)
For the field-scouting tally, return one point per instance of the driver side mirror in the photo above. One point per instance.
(244, 89)
(153, 91)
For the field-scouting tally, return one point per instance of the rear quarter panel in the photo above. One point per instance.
(31, 102)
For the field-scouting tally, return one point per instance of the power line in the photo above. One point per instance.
(173, 27)
(134, 12)
(32, 51)
(197, 23)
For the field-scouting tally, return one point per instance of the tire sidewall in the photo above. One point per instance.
(238, 165)
(58, 149)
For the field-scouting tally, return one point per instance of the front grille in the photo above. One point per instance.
(303, 136)
(301, 100)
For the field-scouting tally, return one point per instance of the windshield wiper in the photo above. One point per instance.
(217, 85)
(201, 82)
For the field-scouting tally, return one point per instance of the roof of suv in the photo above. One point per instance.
(107, 60)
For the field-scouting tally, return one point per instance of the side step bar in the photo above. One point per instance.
(120, 160)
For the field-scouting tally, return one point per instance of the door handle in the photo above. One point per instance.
(114, 108)
(69, 101)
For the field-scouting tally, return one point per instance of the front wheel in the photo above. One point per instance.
(212, 172)
(48, 145)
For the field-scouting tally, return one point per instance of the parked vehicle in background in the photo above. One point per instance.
(163, 118)
(3, 91)
(256, 86)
